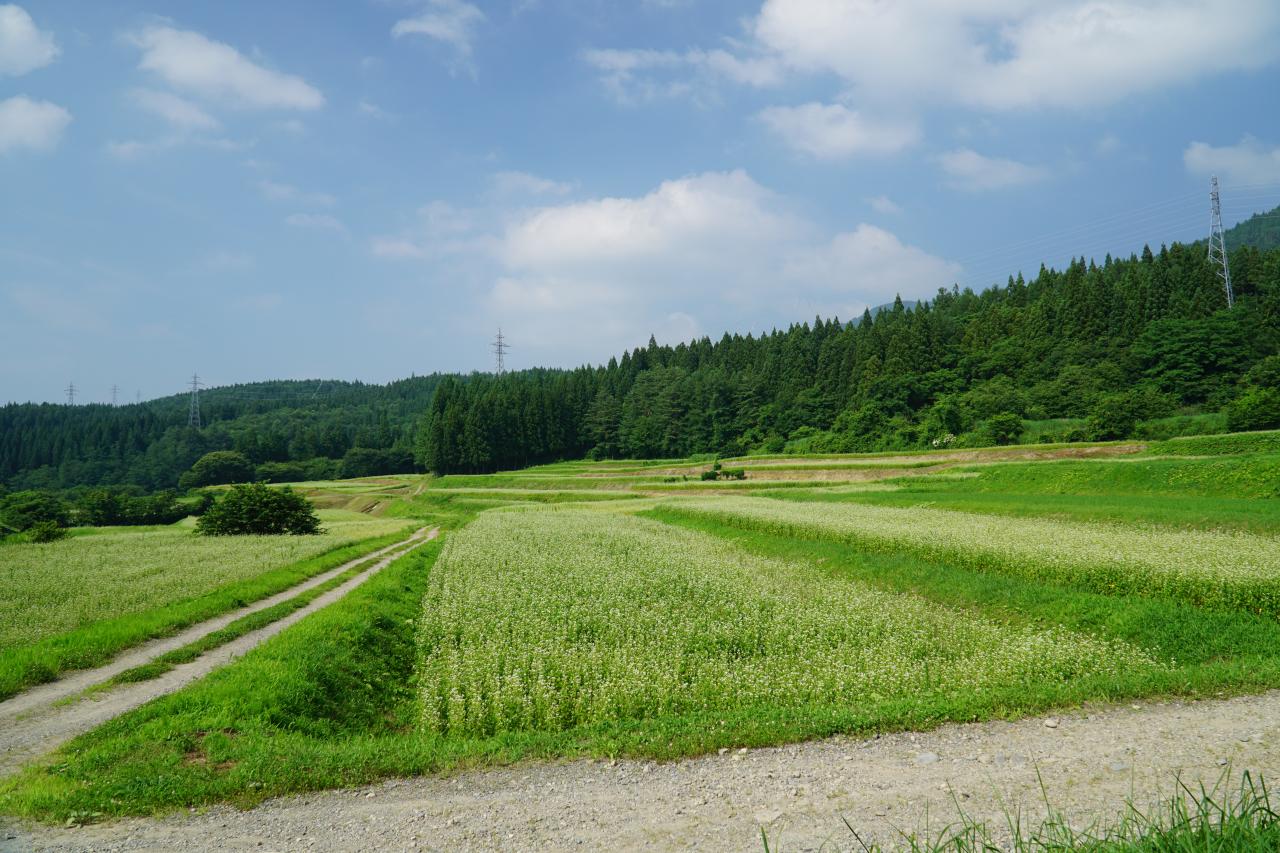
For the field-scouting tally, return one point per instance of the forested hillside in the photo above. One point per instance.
(1121, 341)
(314, 424)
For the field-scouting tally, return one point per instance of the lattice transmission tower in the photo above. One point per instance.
(1218, 241)
(71, 393)
(500, 349)
(193, 410)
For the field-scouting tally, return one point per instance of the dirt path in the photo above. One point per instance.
(1089, 761)
(33, 723)
(43, 697)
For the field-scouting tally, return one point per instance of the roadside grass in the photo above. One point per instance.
(24, 665)
(1206, 819)
(320, 704)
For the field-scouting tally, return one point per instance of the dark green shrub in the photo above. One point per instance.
(710, 475)
(281, 472)
(1113, 416)
(255, 509)
(218, 468)
(1005, 428)
(1257, 408)
(45, 531)
(21, 510)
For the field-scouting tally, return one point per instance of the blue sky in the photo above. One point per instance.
(368, 189)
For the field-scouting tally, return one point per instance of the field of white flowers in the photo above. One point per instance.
(551, 618)
(52, 588)
(1225, 569)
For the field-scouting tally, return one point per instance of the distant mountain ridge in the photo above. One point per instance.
(1261, 231)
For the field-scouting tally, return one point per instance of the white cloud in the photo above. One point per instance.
(1249, 162)
(275, 191)
(715, 251)
(372, 110)
(884, 204)
(397, 248)
(23, 46)
(523, 183)
(646, 75)
(450, 21)
(1106, 146)
(986, 54)
(871, 264)
(319, 221)
(226, 261)
(712, 245)
(441, 230)
(33, 125)
(191, 62)
(835, 132)
(176, 110)
(133, 149)
(968, 170)
(688, 223)
(1005, 54)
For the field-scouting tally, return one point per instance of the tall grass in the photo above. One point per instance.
(1201, 820)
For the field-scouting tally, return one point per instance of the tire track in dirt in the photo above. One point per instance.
(33, 723)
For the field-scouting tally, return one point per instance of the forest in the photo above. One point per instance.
(1087, 352)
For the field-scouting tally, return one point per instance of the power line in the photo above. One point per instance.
(1218, 240)
(193, 410)
(500, 348)
(115, 394)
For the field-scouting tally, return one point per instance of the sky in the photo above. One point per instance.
(369, 189)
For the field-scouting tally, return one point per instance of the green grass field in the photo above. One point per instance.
(73, 603)
(602, 609)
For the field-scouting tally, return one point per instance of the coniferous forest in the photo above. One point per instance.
(1111, 344)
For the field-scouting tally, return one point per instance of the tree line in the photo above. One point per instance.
(1089, 351)
(1110, 344)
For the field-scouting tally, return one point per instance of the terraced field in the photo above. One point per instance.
(654, 610)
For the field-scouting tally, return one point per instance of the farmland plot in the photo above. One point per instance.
(550, 619)
(52, 588)
(1227, 570)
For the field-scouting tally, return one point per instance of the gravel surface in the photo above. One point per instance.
(1090, 762)
(35, 722)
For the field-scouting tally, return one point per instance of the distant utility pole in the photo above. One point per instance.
(500, 347)
(1218, 241)
(193, 412)
(71, 393)
(139, 397)
(115, 394)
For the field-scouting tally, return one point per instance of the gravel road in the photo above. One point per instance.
(1090, 761)
(36, 722)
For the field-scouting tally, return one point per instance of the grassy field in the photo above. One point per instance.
(73, 603)
(614, 608)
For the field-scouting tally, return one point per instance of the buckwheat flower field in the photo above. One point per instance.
(1223, 569)
(548, 619)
